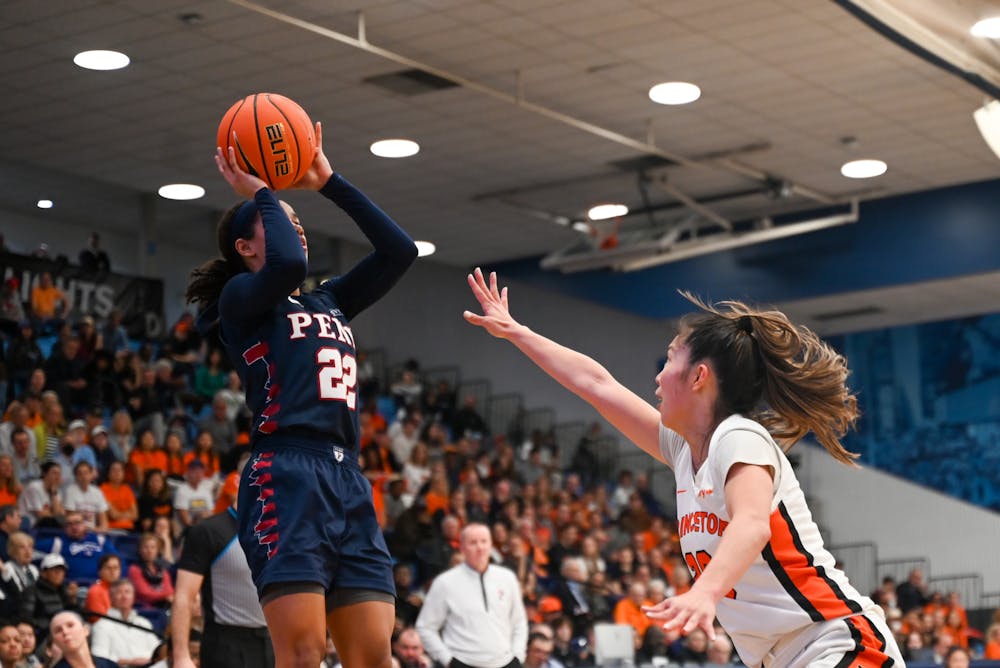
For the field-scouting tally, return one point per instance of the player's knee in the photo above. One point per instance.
(306, 653)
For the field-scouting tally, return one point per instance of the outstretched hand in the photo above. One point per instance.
(687, 612)
(244, 183)
(320, 170)
(496, 318)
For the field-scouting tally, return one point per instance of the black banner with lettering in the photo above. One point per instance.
(96, 294)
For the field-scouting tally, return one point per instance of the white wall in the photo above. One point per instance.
(422, 318)
(904, 520)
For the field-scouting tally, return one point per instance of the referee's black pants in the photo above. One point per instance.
(236, 647)
(455, 663)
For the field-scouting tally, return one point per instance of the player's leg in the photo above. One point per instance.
(861, 641)
(298, 631)
(362, 633)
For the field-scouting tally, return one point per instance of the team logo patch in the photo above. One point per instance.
(338, 453)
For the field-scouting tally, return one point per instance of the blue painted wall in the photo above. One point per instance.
(925, 236)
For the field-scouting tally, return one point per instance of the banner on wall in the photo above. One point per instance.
(96, 294)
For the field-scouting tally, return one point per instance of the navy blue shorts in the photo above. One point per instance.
(306, 515)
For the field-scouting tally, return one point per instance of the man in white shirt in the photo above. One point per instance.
(473, 615)
(194, 499)
(126, 645)
(87, 499)
(42, 500)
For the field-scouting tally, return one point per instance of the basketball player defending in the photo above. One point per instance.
(735, 380)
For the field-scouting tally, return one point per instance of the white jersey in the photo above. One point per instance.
(792, 583)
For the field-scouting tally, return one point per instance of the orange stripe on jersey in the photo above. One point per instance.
(805, 582)
(869, 646)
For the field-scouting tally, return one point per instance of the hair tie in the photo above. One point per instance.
(242, 221)
(745, 323)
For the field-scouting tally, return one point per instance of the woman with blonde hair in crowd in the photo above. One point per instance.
(10, 488)
(121, 433)
(51, 429)
(151, 575)
(737, 381)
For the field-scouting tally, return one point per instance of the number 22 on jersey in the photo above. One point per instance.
(697, 563)
(338, 376)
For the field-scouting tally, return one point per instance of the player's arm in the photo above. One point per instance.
(394, 250)
(581, 375)
(181, 613)
(249, 295)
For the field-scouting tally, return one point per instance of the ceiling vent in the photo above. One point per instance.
(410, 82)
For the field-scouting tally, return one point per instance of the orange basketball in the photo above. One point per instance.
(275, 139)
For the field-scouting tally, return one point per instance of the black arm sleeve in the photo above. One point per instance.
(250, 295)
(374, 275)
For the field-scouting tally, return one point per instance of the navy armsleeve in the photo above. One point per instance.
(374, 275)
(249, 295)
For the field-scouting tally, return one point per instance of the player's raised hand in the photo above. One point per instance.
(496, 318)
(244, 183)
(687, 612)
(319, 171)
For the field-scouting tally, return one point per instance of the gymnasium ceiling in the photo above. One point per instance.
(791, 89)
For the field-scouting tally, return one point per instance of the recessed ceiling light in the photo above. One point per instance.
(863, 169)
(605, 211)
(45, 204)
(674, 92)
(101, 60)
(989, 28)
(395, 148)
(425, 248)
(181, 191)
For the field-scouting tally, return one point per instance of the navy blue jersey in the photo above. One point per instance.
(296, 354)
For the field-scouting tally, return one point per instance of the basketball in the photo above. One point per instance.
(275, 138)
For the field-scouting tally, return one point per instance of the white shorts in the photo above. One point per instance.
(860, 641)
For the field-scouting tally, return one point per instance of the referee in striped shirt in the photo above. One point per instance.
(235, 633)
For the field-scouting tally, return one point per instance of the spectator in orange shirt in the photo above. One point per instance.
(10, 488)
(204, 449)
(173, 447)
(992, 649)
(109, 570)
(48, 304)
(438, 496)
(123, 510)
(145, 457)
(629, 610)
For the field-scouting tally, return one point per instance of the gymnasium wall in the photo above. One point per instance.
(905, 520)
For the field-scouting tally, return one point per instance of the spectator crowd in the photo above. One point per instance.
(111, 450)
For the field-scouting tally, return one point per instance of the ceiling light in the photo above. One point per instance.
(605, 211)
(988, 120)
(425, 248)
(181, 191)
(45, 204)
(101, 60)
(989, 28)
(395, 148)
(863, 169)
(674, 92)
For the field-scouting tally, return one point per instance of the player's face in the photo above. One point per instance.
(672, 389)
(68, 633)
(294, 217)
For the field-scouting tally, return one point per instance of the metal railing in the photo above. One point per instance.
(860, 562)
(968, 585)
(899, 569)
(502, 413)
